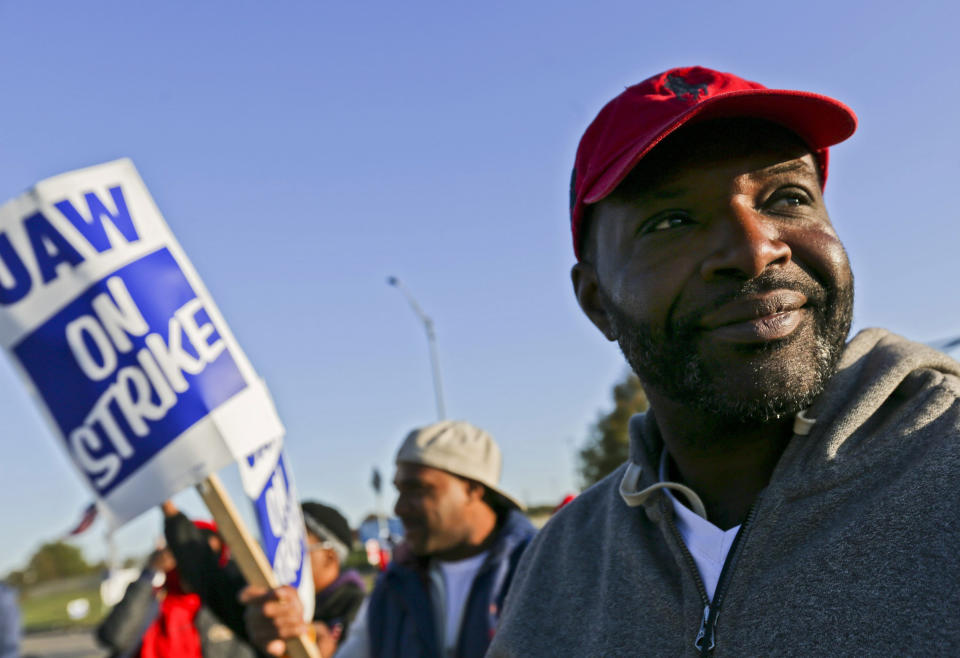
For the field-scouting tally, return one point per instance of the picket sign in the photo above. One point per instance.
(135, 370)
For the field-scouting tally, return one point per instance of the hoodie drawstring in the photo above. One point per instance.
(634, 498)
(802, 425)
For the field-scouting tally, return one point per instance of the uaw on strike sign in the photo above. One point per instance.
(129, 358)
(114, 332)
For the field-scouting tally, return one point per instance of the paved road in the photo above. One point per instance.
(61, 645)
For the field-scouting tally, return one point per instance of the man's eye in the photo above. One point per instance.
(789, 199)
(664, 222)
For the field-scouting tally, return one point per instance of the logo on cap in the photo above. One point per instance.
(681, 87)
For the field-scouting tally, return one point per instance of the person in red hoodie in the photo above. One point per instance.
(172, 632)
(185, 616)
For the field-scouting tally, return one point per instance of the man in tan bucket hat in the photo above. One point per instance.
(464, 536)
(443, 593)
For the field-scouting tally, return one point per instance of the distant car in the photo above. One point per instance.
(370, 529)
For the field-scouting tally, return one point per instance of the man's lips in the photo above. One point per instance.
(756, 318)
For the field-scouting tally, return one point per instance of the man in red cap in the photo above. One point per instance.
(787, 492)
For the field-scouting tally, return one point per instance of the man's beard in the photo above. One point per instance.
(767, 382)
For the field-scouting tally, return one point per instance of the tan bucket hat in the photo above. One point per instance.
(459, 448)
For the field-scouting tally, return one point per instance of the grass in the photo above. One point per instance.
(49, 611)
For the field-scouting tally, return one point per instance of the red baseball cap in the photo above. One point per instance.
(630, 125)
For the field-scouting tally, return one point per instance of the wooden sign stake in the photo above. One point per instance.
(247, 553)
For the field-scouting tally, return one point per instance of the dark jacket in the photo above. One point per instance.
(338, 602)
(400, 615)
(121, 630)
(850, 551)
(199, 567)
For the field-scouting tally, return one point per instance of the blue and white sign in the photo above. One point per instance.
(268, 482)
(119, 340)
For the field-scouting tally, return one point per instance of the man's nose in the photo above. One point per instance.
(402, 506)
(746, 243)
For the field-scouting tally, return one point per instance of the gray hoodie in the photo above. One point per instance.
(852, 549)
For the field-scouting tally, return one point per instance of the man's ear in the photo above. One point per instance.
(587, 289)
(475, 490)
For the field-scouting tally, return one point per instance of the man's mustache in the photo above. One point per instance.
(817, 297)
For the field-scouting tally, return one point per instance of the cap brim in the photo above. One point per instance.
(507, 497)
(468, 476)
(819, 120)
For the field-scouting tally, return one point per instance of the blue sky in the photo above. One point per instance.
(304, 151)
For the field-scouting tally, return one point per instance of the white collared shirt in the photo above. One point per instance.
(457, 581)
(707, 543)
(450, 584)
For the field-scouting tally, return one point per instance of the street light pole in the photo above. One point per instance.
(431, 341)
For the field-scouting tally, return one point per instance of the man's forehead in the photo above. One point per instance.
(409, 472)
(770, 149)
(676, 182)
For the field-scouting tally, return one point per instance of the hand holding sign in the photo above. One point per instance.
(272, 616)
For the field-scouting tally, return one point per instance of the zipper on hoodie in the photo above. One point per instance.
(706, 636)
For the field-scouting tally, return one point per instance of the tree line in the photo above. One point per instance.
(607, 444)
(52, 561)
